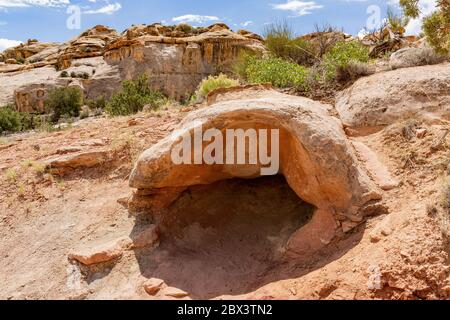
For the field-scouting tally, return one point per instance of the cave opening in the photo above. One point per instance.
(221, 238)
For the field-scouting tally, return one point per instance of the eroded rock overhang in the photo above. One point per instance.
(316, 158)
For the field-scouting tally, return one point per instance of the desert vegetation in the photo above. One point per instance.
(435, 26)
(135, 94)
(212, 83)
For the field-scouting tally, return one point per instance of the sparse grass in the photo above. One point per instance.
(21, 190)
(283, 43)
(37, 166)
(212, 83)
(445, 199)
(11, 175)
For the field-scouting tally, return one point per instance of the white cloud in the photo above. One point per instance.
(195, 18)
(298, 8)
(6, 43)
(247, 23)
(108, 9)
(31, 3)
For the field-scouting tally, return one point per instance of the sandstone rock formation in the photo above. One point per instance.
(175, 58)
(90, 43)
(381, 99)
(315, 156)
(176, 61)
(26, 50)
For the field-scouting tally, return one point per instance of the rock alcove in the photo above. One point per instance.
(317, 162)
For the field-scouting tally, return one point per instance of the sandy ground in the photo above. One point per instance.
(226, 241)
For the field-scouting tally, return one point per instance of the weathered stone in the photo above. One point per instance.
(176, 65)
(102, 254)
(175, 293)
(413, 57)
(147, 238)
(332, 181)
(153, 286)
(377, 171)
(377, 101)
(67, 163)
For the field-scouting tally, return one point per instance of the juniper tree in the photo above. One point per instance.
(436, 26)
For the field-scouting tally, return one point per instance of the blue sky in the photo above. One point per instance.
(46, 20)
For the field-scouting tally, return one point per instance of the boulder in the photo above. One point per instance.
(413, 57)
(377, 101)
(153, 286)
(84, 159)
(103, 253)
(316, 157)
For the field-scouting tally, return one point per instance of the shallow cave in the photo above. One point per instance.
(224, 238)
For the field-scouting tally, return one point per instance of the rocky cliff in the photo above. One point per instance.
(176, 59)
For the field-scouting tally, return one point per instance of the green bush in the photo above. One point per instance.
(279, 72)
(64, 74)
(282, 42)
(184, 27)
(435, 26)
(342, 55)
(214, 82)
(64, 102)
(437, 35)
(99, 103)
(133, 97)
(9, 120)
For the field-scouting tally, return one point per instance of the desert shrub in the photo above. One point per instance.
(64, 102)
(64, 74)
(29, 121)
(184, 27)
(9, 120)
(353, 71)
(20, 60)
(133, 97)
(95, 104)
(279, 72)
(435, 26)
(397, 23)
(212, 83)
(342, 55)
(73, 74)
(282, 43)
(326, 38)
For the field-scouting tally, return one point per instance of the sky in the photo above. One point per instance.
(61, 20)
